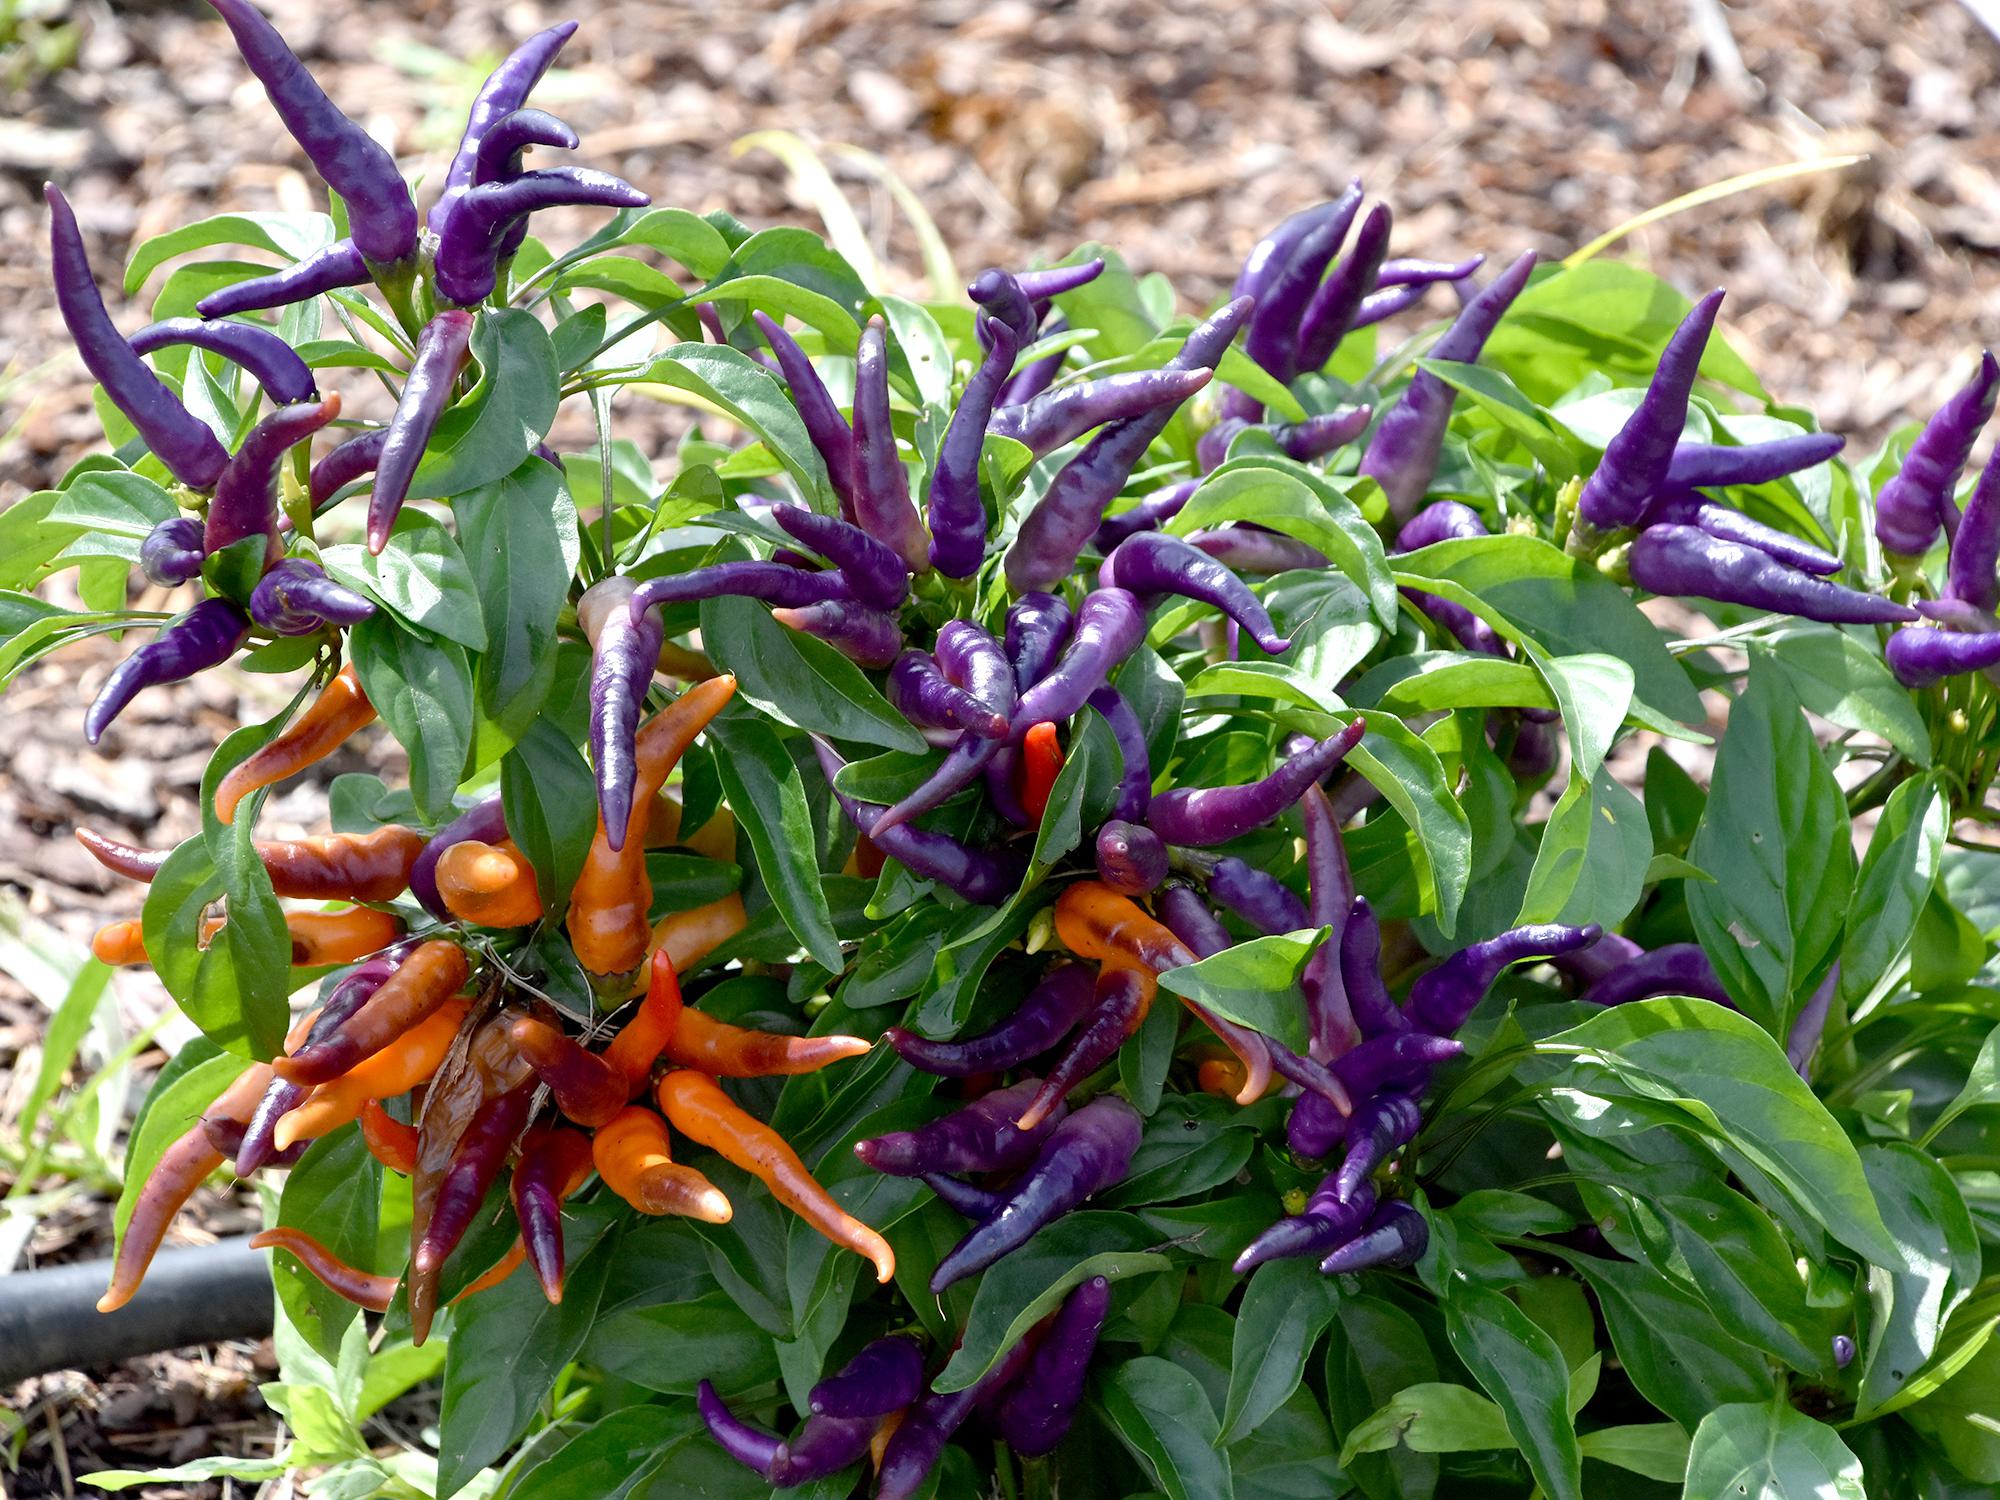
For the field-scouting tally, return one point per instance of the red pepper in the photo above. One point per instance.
(1041, 763)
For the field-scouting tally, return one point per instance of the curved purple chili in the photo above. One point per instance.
(1054, 533)
(1109, 627)
(956, 513)
(930, 700)
(1403, 455)
(206, 636)
(470, 245)
(1257, 896)
(1085, 1154)
(960, 768)
(484, 822)
(1675, 969)
(226, 1138)
(825, 1445)
(442, 350)
(1326, 1225)
(476, 1164)
(1402, 1061)
(875, 574)
(1670, 559)
(258, 1145)
(981, 1137)
(268, 359)
(1396, 1236)
(1031, 380)
(1038, 627)
(1956, 614)
(349, 461)
(1336, 300)
(968, 655)
(920, 1438)
(1156, 562)
(1970, 574)
(1035, 1415)
(1636, 460)
(1536, 750)
(1314, 1127)
(327, 269)
(1006, 305)
(1442, 999)
(1802, 1041)
(824, 424)
(882, 505)
(171, 553)
(985, 877)
(1061, 416)
(773, 582)
(752, 1447)
(172, 433)
(540, 1176)
(866, 637)
(382, 217)
(624, 654)
(1151, 513)
(1715, 466)
(499, 153)
(1379, 307)
(1204, 816)
(1318, 436)
(1921, 657)
(1258, 552)
(1119, 1004)
(885, 1376)
(1375, 1131)
(1445, 520)
(1272, 341)
(246, 493)
(1269, 256)
(1053, 281)
(1692, 508)
(1130, 857)
(1188, 917)
(505, 90)
(1135, 781)
(1368, 998)
(1917, 500)
(295, 597)
(1411, 271)
(1048, 1013)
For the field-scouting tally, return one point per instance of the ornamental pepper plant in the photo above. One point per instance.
(1065, 898)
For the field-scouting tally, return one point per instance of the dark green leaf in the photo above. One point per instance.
(1286, 1307)
(423, 692)
(768, 796)
(421, 576)
(520, 541)
(550, 801)
(1897, 874)
(1161, 1414)
(1768, 1451)
(798, 680)
(494, 426)
(334, 1194)
(1922, 1206)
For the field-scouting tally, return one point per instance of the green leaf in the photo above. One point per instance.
(607, 1460)
(1775, 836)
(1657, 1450)
(1592, 863)
(798, 680)
(521, 548)
(1844, 680)
(1019, 1291)
(1521, 1368)
(1083, 791)
(334, 1194)
(1285, 1309)
(114, 501)
(1768, 1451)
(1921, 1204)
(768, 796)
(421, 576)
(1379, 1350)
(550, 801)
(1982, 1086)
(1740, 1262)
(1493, 393)
(484, 437)
(1254, 984)
(1159, 1412)
(673, 1346)
(423, 692)
(1432, 1418)
(509, 1344)
(1289, 1457)
(249, 1470)
(291, 236)
(754, 398)
(1901, 866)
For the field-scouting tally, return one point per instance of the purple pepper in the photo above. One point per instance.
(1396, 1236)
(1135, 781)
(498, 156)
(485, 822)
(1671, 559)
(206, 636)
(1314, 1127)
(752, 1447)
(1922, 657)
(1315, 1077)
(824, 424)
(983, 877)
(1259, 552)
(970, 656)
(1318, 436)
(882, 505)
(1052, 281)
(1002, 790)
(1118, 1006)
(325, 270)
(1272, 341)
(874, 573)
(963, 1198)
(624, 654)
(1326, 1225)
(1536, 749)
(281, 1097)
(537, 1191)
(1409, 271)
(1843, 1351)
(1636, 460)
(171, 553)
(1970, 575)
(1675, 969)
(920, 1438)
(1442, 999)
(1057, 417)
(1054, 533)
(1956, 614)
(1379, 307)
(1087, 1153)
(476, 1164)
(357, 456)
(956, 513)
(246, 494)
(1917, 501)
(960, 768)
(885, 1376)
(1035, 1416)
(1038, 627)
(1048, 1014)
(825, 1445)
(1031, 380)
(1154, 562)
(865, 636)
(1203, 816)
(1714, 466)
(1006, 306)
(1692, 508)
(1810, 1024)
(442, 350)
(226, 1138)
(470, 245)
(1368, 998)
(773, 582)
(981, 1137)
(505, 90)
(1404, 1060)
(1444, 520)
(1130, 857)
(270, 361)
(930, 700)
(1403, 455)
(1257, 896)
(1588, 965)
(1269, 257)
(1151, 513)
(295, 597)
(382, 217)
(1189, 918)
(1337, 299)
(173, 434)
(1109, 627)
(1376, 1130)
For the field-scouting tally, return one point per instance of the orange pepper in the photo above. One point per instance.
(642, 1039)
(388, 1139)
(422, 982)
(362, 1288)
(396, 1069)
(630, 1154)
(715, 839)
(698, 1108)
(489, 885)
(340, 710)
(501, 1269)
(1041, 763)
(1096, 922)
(340, 937)
(120, 943)
(725, 1051)
(608, 906)
(690, 936)
(1223, 1077)
(325, 867)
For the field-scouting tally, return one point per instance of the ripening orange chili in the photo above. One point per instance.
(725, 1051)
(1095, 922)
(631, 1155)
(396, 1069)
(1041, 763)
(501, 1269)
(587, 1089)
(641, 1040)
(690, 936)
(172, 1181)
(878, 1444)
(1221, 1076)
(327, 867)
(715, 839)
(339, 937)
(676, 660)
(120, 943)
(489, 885)
(422, 982)
(340, 710)
(362, 1288)
(389, 1140)
(608, 908)
(698, 1108)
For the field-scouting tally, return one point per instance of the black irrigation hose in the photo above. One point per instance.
(201, 1295)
